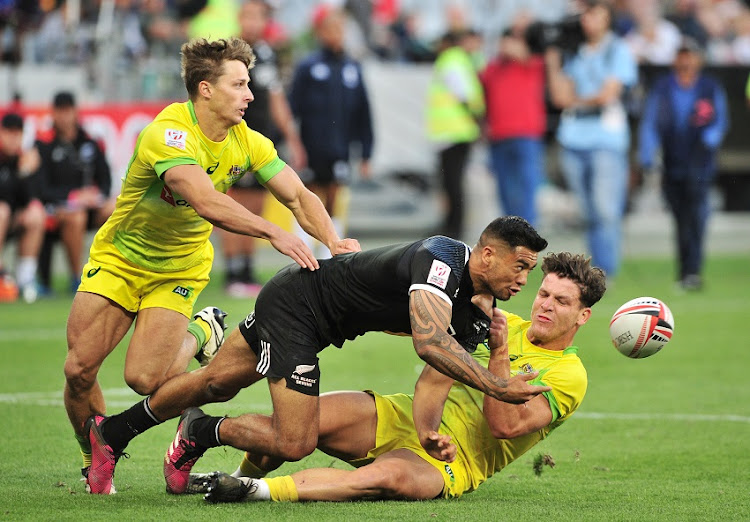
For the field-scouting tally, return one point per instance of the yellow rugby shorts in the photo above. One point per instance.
(134, 288)
(396, 430)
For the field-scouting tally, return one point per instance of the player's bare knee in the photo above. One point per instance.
(298, 449)
(221, 384)
(387, 479)
(79, 376)
(142, 383)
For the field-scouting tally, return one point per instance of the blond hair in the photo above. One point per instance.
(203, 60)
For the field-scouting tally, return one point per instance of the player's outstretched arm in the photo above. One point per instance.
(430, 317)
(309, 211)
(193, 185)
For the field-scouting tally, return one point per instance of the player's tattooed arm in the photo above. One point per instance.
(430, 318)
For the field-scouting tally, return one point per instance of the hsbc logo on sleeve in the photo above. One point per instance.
(175, 138)
(439, 273)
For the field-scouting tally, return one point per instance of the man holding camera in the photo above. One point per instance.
(593, 133)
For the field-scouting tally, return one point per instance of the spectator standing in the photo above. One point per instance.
(686, 116)
(455, 102)
(329, 99)
(74, 183)
(514, 86)
(20, 211)
(269, 114)
(593, 132)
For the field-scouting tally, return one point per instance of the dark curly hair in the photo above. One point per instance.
(590, 279)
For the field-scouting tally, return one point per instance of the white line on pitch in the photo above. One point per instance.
(662, 416)
(35, 334)
(128, 398)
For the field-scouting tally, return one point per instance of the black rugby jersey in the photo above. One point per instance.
(369, 291)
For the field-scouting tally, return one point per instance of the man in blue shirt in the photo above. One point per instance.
(329, 100)
(593, 133)
(686, 116)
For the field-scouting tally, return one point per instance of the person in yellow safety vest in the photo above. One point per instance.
(455, 102)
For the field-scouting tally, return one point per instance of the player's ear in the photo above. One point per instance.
(583, 316)
(205, 89)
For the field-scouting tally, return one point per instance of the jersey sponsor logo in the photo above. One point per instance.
(210, 170)
(303, 381)
(449, 471)
(93, 271)
(166, 195)
(304, 368)
(184, 292)
(175, 138)
(439, 273)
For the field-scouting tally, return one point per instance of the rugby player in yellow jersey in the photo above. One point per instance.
(152, 257)
(479, 435)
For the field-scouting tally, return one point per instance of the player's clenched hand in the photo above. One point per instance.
(519, 390)
(439, 446)
(344, 246)
(498, 336)
(292, 246)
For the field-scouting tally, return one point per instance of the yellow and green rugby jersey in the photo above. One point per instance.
(153, 226)
(483, 454)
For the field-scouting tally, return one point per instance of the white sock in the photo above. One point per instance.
(26, 270)
(260, 491)
(304, 236)
(338, 226)
(321, 251)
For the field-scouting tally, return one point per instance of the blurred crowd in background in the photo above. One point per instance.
(499, 69)
(71, 31)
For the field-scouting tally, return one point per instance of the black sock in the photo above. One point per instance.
(120, 429)
(205, 430)
(248, 270)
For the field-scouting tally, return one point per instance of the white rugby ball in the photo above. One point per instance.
(641, 327)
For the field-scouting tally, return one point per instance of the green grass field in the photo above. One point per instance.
(664, 438)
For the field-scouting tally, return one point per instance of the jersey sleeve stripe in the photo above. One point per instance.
(432, 290)
(162, 166)
(269, 170)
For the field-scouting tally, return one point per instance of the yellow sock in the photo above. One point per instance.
(282, 489)
(86, 459)
(200, 330)
(85, 447)
(248, 469)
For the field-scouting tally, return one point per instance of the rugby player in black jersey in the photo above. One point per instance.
(438, 290)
